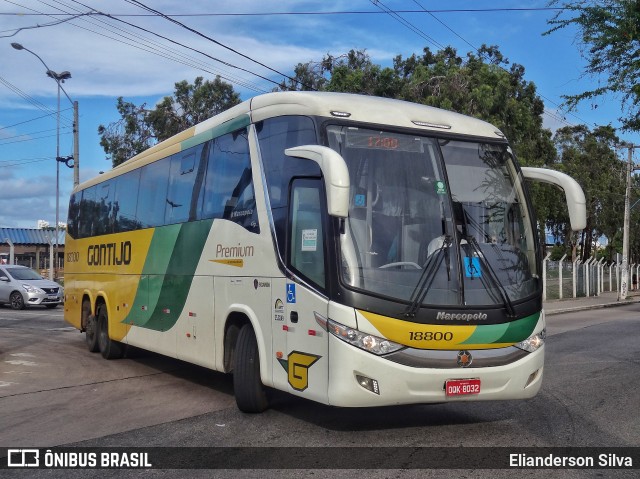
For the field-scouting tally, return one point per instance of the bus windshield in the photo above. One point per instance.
(433, 221)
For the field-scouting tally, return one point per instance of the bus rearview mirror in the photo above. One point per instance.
(335, 172)
(576, 202)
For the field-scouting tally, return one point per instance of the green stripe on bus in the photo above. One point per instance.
(520, 330)
(227, 127)
(176, 283)
(512, 332)
(154, 269)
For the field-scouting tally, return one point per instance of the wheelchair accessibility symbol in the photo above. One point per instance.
(291, 293)
(472, 268)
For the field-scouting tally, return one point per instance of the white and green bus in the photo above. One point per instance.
(352, 250)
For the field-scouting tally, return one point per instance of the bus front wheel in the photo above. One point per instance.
(251, 395)
(109, 348)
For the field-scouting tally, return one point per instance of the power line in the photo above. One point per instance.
(136, 44)
(546, 111)
(406, 23)
(336, 12)
(27, 134)
(162, 50)
(32, 101)
(22, 163)
(200, 34)
(28, 121)
(3, 143)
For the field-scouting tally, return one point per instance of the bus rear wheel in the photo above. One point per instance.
(109, 348)
(250, 393)
(91, 327)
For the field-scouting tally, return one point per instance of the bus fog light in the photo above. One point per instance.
(532, 377)
(368, 383)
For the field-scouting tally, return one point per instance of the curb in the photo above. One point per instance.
(585, 307)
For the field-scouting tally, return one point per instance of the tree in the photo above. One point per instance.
(479, 85)
(484, 85)
(128, 136)
(590, 158)
(190, 105)
(140, 128)
(609, 39)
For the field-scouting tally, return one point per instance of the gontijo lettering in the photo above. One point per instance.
(108, 254)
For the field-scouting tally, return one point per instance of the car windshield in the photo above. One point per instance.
(23, 274)
(434, 221)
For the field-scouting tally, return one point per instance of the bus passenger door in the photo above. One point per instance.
(305, 359)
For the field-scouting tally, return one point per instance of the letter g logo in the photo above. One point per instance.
(297, 367)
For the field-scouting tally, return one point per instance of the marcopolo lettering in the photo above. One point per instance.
(461, 316)
(109, 254)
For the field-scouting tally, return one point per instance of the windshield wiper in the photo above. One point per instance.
(491, 273)
(429, 272)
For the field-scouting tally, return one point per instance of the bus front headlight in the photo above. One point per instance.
(533, 342)
(368, 342)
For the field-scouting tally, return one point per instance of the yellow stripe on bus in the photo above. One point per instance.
(426, 336)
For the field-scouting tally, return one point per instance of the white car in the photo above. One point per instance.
(21, 286)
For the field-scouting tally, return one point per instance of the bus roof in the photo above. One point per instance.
(358, 108)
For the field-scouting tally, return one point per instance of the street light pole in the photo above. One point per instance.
(59, 79)
(624, 274)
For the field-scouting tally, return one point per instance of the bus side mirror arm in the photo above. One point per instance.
(576, 202)
(335, 172)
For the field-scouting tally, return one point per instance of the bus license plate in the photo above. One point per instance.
(461, 387)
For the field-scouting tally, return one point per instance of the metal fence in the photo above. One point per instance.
(566, 279)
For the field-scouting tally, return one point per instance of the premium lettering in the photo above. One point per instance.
(109, 254)
(234, 251)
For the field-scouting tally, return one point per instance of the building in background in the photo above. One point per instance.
(32, 247)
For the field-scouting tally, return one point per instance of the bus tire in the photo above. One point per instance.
(109, 348)
(91, 334)
(90, 324)
(251, 395)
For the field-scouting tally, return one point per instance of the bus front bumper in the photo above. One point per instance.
(361, 379)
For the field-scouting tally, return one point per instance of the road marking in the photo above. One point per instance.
(23, 355)
(68, 328)
(20, 362)
(18, 372)
(5, 383)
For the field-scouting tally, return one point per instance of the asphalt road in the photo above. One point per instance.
(53, 392)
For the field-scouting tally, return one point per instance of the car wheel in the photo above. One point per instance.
(109, 348)
(251, 395)
(16, 300)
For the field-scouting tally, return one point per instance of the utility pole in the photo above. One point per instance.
(76, 146)
(624, 274)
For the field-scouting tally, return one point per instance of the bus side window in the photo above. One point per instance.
(152, 197)
(126, 202)
(228, 184)
(87, 213)
(306, 247)
(182, 176)
(74, 214)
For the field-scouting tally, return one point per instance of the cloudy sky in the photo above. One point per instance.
(139, 55)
